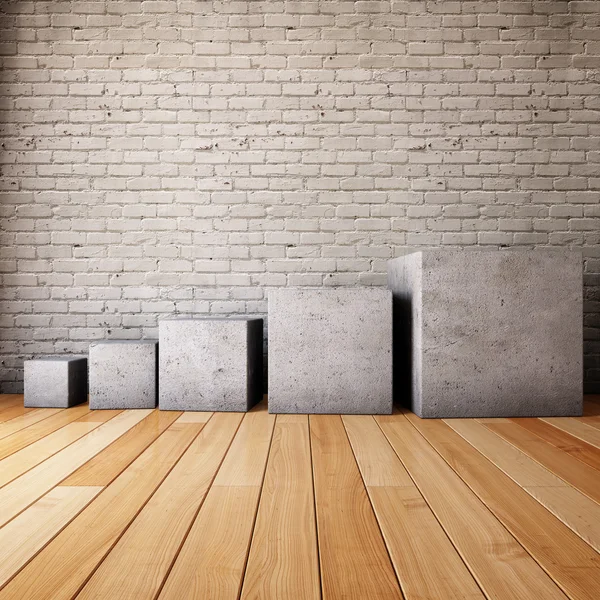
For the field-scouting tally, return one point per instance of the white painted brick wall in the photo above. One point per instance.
(185, 156)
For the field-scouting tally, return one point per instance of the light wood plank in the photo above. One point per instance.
(33, 433)
(25, 535)
(498, 562)
(13, 412)
(30, 418)
(353, 557)
(195, 417)
(100, 416)
(141, 559)
(23, 491)
(211, 561)
(22, 461)
(9, 401)
(107, 465)
(579, 475)
(283, 561)
(572, 507)
(572, 563)
(573, 446)
(580, 430)
(427, 564)
(66, 563)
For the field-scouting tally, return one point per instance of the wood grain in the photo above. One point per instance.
(572, 507)
(501, 566)
(426, 562)
(283, 561)
(579, 475)
(36, 432)
(212, 559)
(26, 489)
(66, 563)
(107, 465)
(24, 536)
(353, 557)
(573, 446)
(138, 564)
(572, 563)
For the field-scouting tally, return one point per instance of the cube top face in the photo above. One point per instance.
(123, 374)
(210, 364)
(55, 382)
(494, 333)
(330, 350)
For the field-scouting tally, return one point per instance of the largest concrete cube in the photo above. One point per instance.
(210, 364)
(123, 374)
(330, 351)
(488, 333)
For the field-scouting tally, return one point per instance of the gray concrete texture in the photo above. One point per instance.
(330, 351)
(55, 382)
(488, 333)
(210, 364)
(123, 374)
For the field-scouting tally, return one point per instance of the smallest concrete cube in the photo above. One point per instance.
(55, 382)
(123, 374)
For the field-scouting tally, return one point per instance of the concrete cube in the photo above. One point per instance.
(330, 351)
(55, 382)
(210, 364)
(123, 374)
(488, 333)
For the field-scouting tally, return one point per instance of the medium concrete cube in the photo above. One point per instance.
(123, 374)
(210, 364)
(330, 351)
(55, 382)
(488, 333)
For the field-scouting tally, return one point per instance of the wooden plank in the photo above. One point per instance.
(212, 559)
(498, 562)
(354, 560)
(30, 418)
(561, 553)
(580, 430)
(138, 564)
(579, 475)
(66, 563)
(283, 560)
(573, 446)
(33, 433)
(12, 412)
(195, 417)
(20, 462)
(100, 416)
(10, 400)
(25, 535)
(426, 562)
(591, 409)
(23, 491)
(573, 508)
(107, 465)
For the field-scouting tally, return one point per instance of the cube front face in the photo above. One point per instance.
(330, 351)
(210, 364)
(123, 374)
(55, 382)
(494, 334)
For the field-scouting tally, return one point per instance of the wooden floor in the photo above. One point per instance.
(146, 504)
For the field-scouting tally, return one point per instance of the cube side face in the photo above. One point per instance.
(203, 365)
(502, 334)
(405, 280)
(51, 384)
(330, 351)
(123, 375)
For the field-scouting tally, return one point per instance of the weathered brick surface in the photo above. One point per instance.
(184, 156)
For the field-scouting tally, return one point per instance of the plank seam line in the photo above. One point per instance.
(312, 473)
(91, 574)
(193, 520)
(262, 483)
(489, 509)
(391, 562)
(51, 455)
(3, 437)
